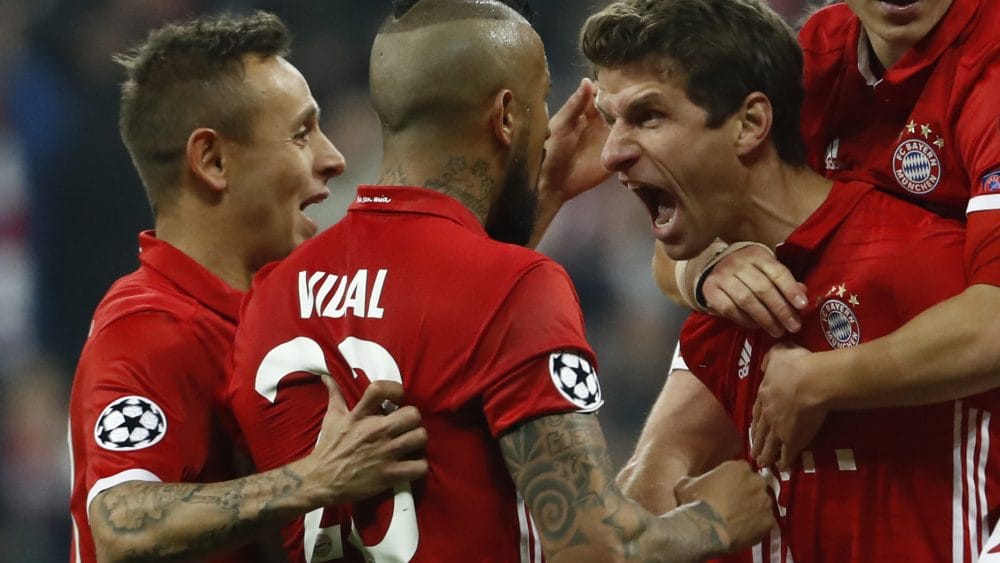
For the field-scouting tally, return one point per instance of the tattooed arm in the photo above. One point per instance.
(561, 466)
(359, 454)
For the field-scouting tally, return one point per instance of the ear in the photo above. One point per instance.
(502, 117)
(754, 119)
(205, 159)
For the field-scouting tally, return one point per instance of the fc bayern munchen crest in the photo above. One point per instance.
(916, 166)
(130, 423)
(576, 380)
(840, 325)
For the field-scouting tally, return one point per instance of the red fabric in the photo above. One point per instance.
(928, 131)
(469, 323)
(871, 262)
(163, 333)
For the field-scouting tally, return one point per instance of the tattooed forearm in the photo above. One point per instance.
(169, 521)
(562, 467)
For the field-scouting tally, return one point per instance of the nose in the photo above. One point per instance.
(329, 161)
(620, 151)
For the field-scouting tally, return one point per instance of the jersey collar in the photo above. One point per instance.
(189, 276)
(411, 199)
(796, 250)
(922, 55)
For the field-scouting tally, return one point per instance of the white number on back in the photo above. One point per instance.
(375, 363)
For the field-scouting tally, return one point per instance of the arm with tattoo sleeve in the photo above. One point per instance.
(561, 466)
(359, 453)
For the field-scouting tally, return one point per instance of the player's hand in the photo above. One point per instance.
(739, 497)
(752, 289)
(572, 163)
(785, 416)
(363, 452)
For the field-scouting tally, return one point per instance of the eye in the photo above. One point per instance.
(302, 136)
(649, 118)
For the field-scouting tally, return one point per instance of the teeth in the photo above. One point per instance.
(664, 215)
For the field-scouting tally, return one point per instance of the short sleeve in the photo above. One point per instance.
(704, 345)
(141, 402)
(978, 132)
(534, 355)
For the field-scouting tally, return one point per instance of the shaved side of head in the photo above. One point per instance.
(441, 63)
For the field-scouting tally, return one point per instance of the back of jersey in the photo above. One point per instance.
(482, 336)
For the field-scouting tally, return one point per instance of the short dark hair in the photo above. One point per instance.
(723, 49)
(185, 76)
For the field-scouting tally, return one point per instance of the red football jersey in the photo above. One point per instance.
(928, 129)
(149, 390)
(902, 484)
(482, 335)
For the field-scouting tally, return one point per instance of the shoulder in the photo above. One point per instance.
(141, 292)
(144, 344)
(826, 29)
(979, 45)
(894, 214)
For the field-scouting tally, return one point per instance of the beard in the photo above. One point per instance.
(511, 219)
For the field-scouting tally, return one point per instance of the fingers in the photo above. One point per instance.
(750, 287)
(377, 393)
(758, 430)
(335, 401)
(578, 104)
(405, 471)
(786, 458)
(769, 451)
(402, 420)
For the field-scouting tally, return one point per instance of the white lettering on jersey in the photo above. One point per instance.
(338, 294)
(744, 363)
(833, 155)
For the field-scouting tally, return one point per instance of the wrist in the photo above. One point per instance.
(822, 384)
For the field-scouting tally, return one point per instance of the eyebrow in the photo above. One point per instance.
(308, 113)
(638, 104)
(646, 99)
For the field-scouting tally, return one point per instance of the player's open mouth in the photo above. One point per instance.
(318, 198)
(660, 204)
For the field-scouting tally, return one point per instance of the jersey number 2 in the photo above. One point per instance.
(375, 363)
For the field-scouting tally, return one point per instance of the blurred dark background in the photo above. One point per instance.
(71, 206)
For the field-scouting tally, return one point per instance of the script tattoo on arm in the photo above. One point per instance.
(562, 468)
(176, 521)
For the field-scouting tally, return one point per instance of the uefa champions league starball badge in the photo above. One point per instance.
(576, 380)
(130, 423)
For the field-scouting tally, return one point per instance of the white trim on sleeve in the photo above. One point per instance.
(128, 475)
(678, 361)
(988, 202)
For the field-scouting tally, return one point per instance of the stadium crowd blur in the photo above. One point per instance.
(71, 206)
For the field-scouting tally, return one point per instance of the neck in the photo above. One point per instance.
(779, 199)
(887, 53)
(208, 243)
(460, 172)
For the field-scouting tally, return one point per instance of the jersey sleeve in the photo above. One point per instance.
(534, 354)
(137, 402)
(704, 341)
(978, 132)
